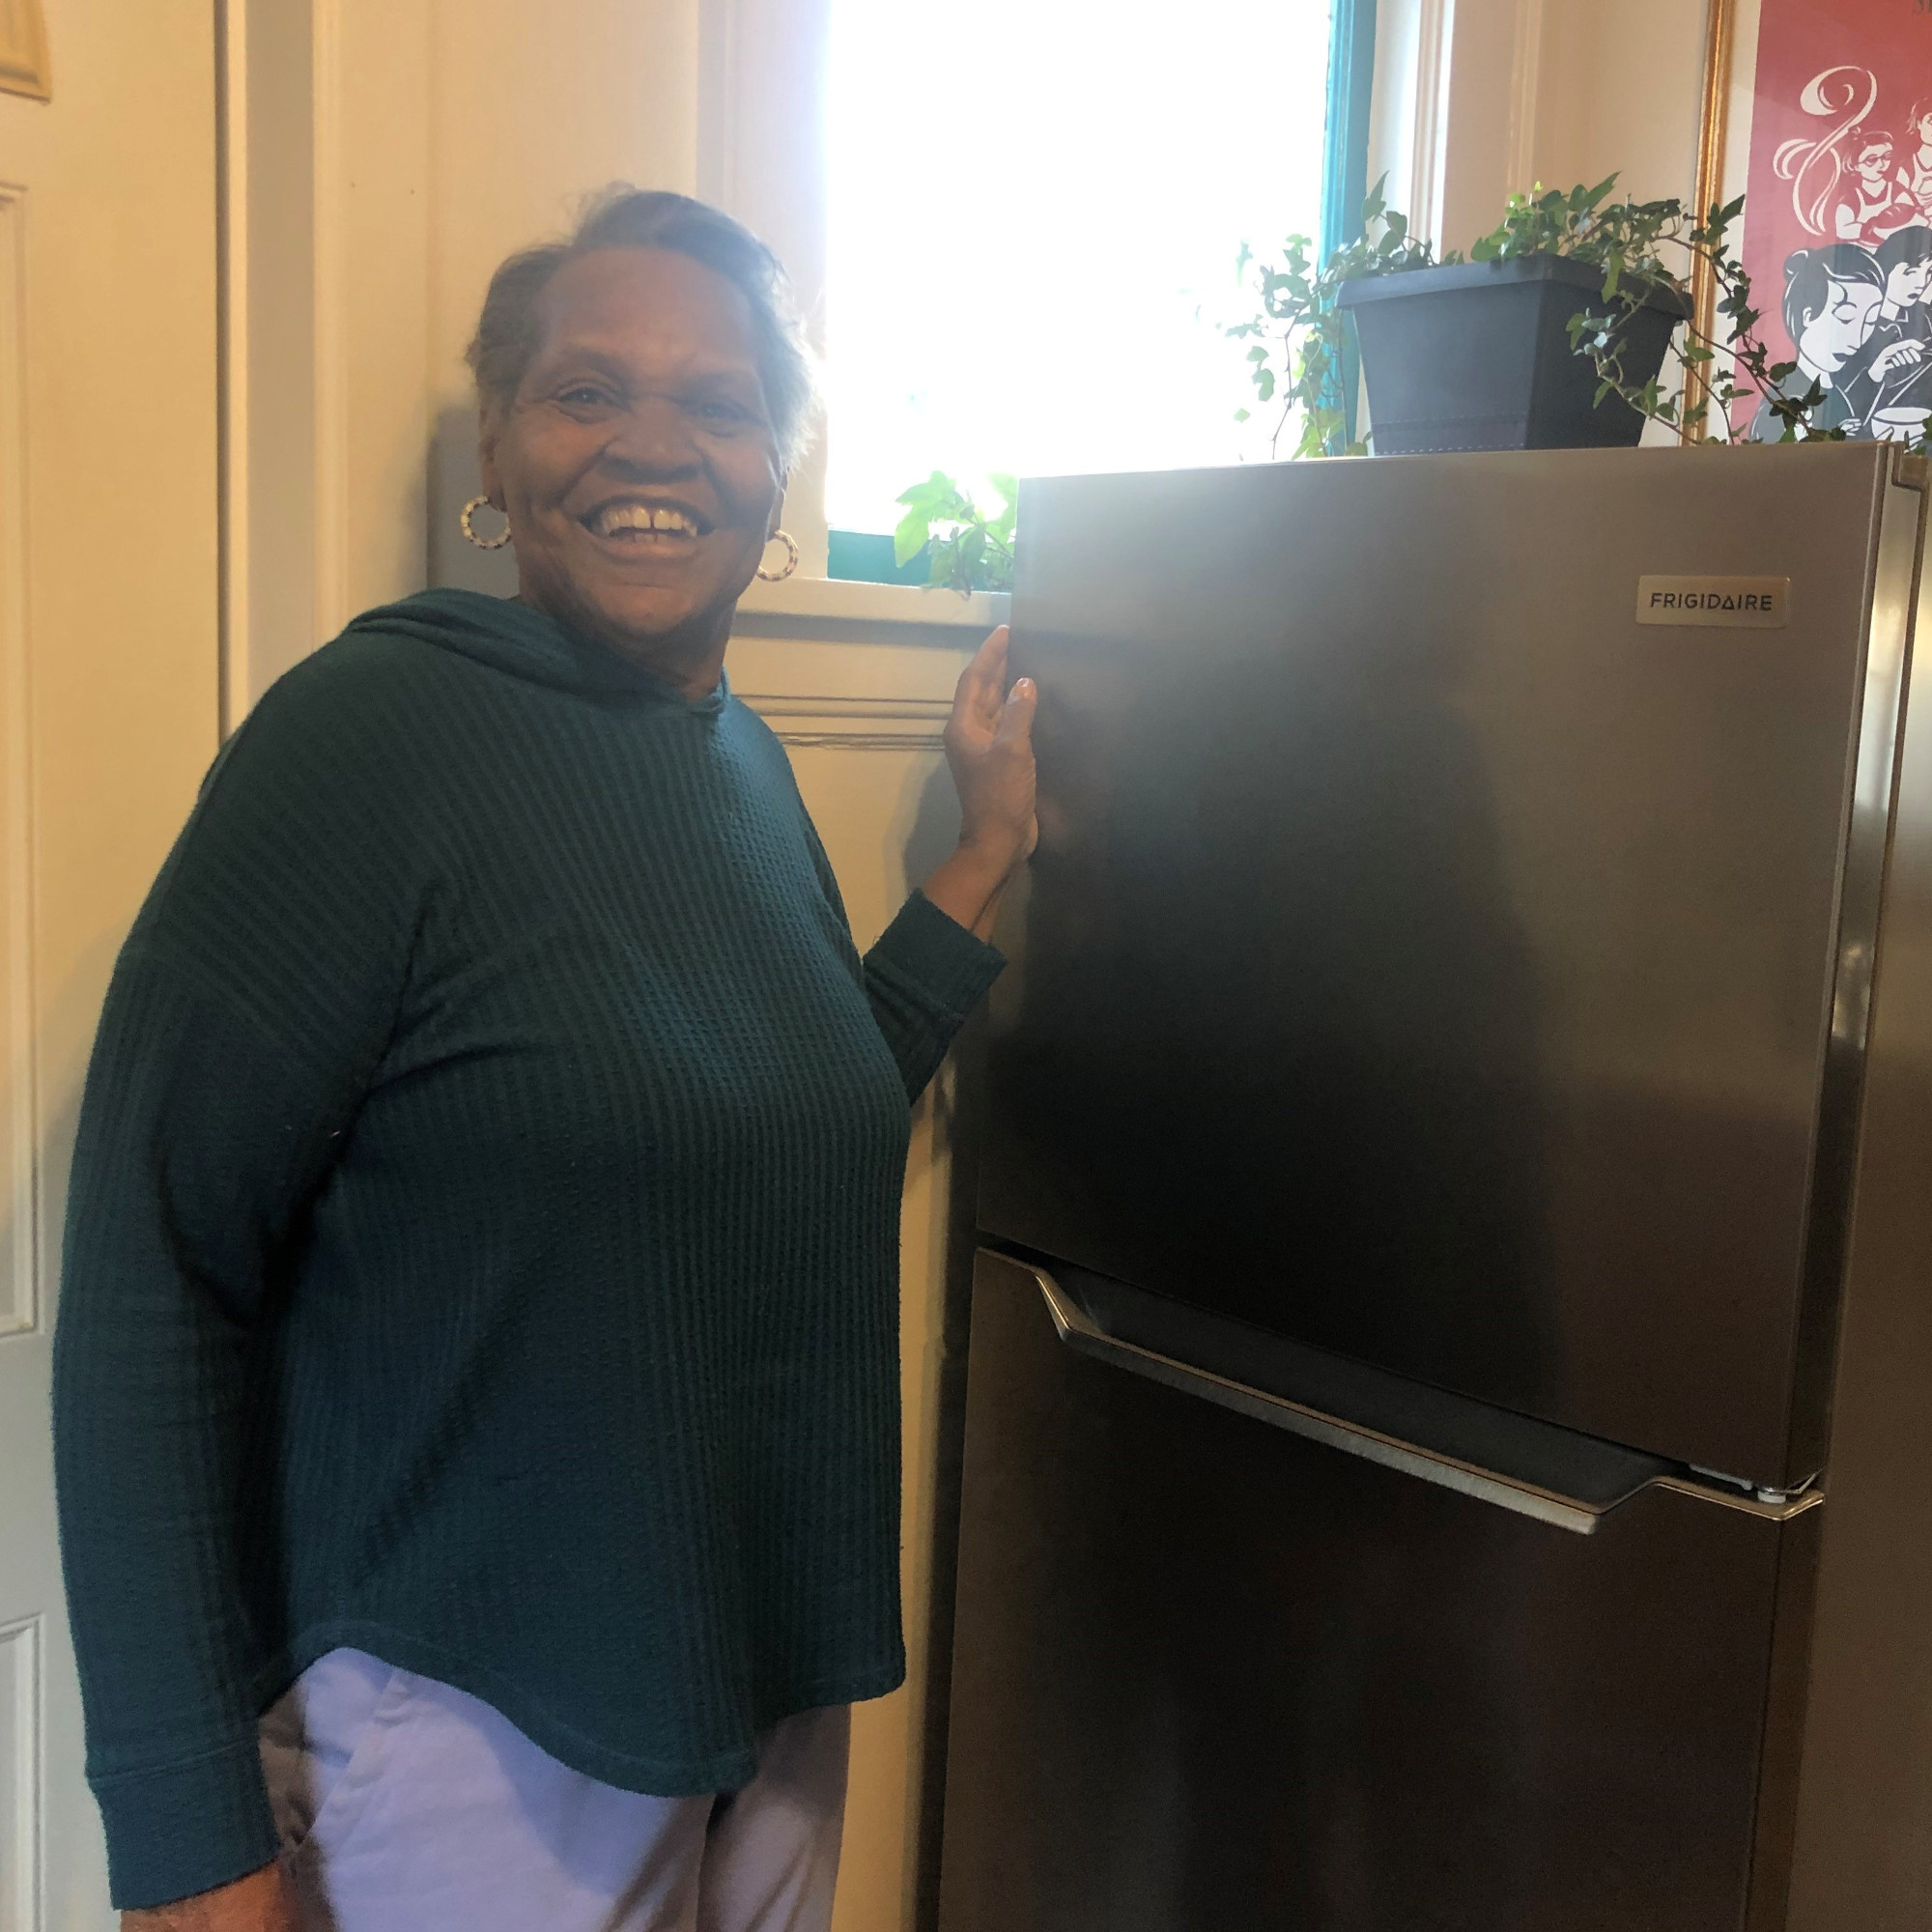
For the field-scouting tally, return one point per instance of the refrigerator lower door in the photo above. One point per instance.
(1209, 1674)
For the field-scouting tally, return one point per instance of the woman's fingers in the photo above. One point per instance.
(982, 684)
(1016, 714)
(989, 747)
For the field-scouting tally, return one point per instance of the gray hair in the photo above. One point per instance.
(627, 217)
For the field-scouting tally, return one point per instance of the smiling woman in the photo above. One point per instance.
(638, 465)
(654, 354)
(476, 1383)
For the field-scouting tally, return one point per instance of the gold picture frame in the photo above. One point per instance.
(1719, 34)
(23, 50)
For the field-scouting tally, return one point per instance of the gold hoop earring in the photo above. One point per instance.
(469, 510)
(791, 557)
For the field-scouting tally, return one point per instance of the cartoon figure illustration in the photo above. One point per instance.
(1842, 96)
(1914, 175)
(1884, 382)
(1869, 203)
(1830, 297)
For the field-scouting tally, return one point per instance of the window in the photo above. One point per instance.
(1033, 213)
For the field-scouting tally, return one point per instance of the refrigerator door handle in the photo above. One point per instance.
(1079, 1331)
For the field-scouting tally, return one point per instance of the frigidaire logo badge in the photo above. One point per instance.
(1750, 603)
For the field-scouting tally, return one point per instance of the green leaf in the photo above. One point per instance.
(938, 489)
(909, 537)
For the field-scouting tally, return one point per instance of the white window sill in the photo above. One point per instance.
(814, 605)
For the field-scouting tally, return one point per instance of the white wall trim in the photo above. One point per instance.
(22, 1840)
(821, 600)
(231, 27)
(868, 688)
(20, 1208)
(1436, 34)
(833, 723)
(1408, 119)
(333, 606)
(761, 156)
(1525, 82)
(268, 291)
(324, 289)
(718, 84)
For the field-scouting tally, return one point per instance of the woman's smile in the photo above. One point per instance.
(638, 460)
(641, 519)
(645, 529)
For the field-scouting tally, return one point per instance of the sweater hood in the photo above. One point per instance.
(523, 642)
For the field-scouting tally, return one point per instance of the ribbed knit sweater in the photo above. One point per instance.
(482, 1247)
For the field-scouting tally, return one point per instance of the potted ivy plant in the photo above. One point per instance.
(1478, 353)
(1552, 332)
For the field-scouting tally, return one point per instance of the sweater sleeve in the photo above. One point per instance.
(922, 977)
(253, 998)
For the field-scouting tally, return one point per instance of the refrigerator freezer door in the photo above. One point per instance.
(1209, 1677)
(1429, 960)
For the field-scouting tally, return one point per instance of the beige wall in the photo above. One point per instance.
(386, 155)
(861, 716)
(108, 717)
(1549, 91)
(530, 109)
(1621, 89)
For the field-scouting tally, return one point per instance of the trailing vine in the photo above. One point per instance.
(1297, 341)
(1298, 344)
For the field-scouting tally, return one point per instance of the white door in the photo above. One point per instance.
(109, 681)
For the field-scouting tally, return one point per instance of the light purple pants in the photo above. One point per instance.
(404, 1806)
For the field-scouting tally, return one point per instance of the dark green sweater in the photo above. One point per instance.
(483, 1245)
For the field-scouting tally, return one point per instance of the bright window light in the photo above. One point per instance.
(1029, 201)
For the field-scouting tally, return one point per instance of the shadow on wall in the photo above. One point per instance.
(454, 478)
(935, 826)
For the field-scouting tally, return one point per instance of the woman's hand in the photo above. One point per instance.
(989, 747)
(265, 1901)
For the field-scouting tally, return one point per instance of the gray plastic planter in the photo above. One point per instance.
(1478, 357)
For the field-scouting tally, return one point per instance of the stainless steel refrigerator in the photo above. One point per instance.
(1448, 1423)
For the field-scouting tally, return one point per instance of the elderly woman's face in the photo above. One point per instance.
(636, 461)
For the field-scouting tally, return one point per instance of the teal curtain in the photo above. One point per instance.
(1345, 174)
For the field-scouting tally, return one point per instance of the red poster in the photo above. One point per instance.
(1839, 214)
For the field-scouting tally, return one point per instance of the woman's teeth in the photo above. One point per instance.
(620, 517)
